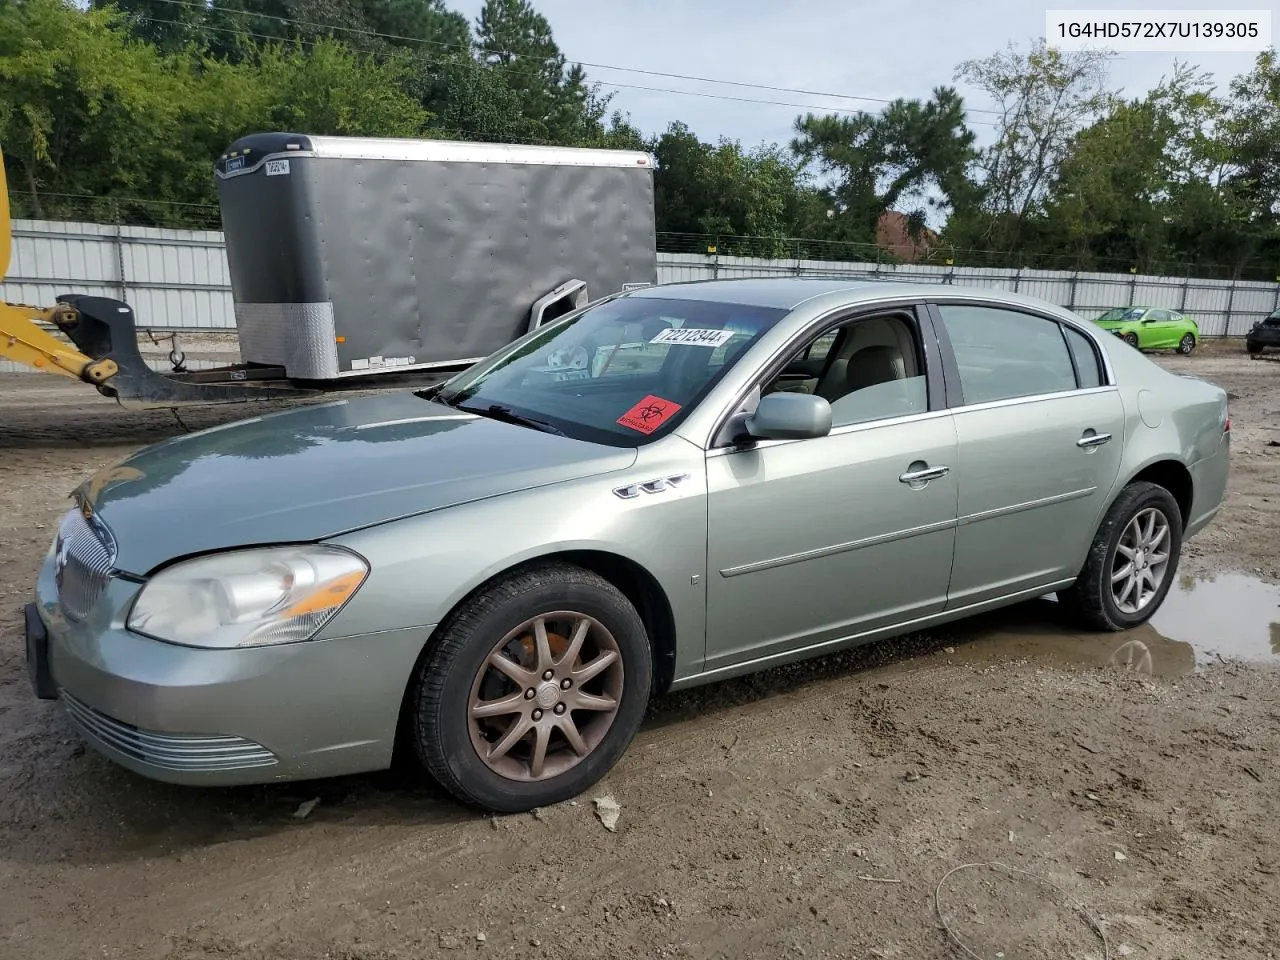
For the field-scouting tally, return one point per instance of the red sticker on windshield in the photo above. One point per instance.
(649, 414)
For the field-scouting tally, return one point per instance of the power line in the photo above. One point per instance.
(459, 48)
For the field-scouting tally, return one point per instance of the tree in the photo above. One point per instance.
(97, 124)
(726, 191)
(1043, 98)
(515, 41)
(81, 101)
(1252, 135)
(1146, 185)
(910, 153)
(167, 25)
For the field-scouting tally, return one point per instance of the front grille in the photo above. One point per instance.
(190, 753)
(84, 557)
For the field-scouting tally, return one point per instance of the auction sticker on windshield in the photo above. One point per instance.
(694, 337)
(649, 414)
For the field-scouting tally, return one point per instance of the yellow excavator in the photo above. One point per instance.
(23, 339)
(103, 348)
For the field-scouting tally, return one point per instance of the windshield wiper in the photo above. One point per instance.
(498, 412)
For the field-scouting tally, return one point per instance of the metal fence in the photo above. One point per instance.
(1221, 308)
(178, 280)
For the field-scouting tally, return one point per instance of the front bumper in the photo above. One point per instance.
(1263, 337)
(220, 717)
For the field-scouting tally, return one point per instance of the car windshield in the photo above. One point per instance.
(623, 372)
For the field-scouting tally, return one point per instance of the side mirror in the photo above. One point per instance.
(790, 416)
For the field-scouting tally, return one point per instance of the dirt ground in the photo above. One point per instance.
(842, 808)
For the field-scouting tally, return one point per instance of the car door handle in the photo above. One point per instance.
(1092, 440)
(924, 475)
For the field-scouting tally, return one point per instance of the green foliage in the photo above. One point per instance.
(878, 162)
(116, 112)
(515, 42)
(1042, 98)
(91, 115)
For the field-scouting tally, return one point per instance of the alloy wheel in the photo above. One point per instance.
(1187, 344)
(545, 696)
(1141, 561)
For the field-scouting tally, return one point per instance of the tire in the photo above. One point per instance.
(1091, 600)
(1131, 339)
(1186, 344)
(1253, 348)
(456, 673)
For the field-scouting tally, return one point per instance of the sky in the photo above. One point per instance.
(854, 48)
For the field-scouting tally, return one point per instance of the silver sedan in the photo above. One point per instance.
(668, 487)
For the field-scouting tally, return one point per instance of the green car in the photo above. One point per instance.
(1151, 328)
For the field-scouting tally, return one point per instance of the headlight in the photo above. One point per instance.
(249, 597)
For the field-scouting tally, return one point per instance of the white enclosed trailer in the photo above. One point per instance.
(352, 257)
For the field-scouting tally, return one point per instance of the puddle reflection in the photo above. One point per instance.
(1202, 620)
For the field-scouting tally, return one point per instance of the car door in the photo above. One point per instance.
(815, 541)
(1040, 432)
(1158, 334)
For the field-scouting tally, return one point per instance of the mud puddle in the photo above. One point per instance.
(1228, 617)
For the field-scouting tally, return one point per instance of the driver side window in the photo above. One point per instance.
(868, 369)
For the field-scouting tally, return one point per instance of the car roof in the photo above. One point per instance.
(783, 292)
(788, 293)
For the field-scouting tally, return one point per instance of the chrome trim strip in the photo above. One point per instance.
(837, 548)
(166, 751)
(632, 490)
(910, 532)
(895, 630)
(1035, 398)
(1096, 440)
(1028, 505)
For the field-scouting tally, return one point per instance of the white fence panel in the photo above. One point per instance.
(173, 279)
(179, 280)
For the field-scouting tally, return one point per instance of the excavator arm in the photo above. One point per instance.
(101, 348)
(22, 339)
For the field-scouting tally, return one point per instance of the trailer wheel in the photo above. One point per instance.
(533, 690)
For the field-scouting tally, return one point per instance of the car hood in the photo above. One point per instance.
(320, 471)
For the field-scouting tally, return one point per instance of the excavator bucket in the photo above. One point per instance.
(103, 348)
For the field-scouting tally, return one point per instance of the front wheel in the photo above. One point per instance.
(1186, 344)
(1132, 561)
(1131, 339)
(533, 690)
(1253, 348)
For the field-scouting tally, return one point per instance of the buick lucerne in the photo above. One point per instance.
(668, 487)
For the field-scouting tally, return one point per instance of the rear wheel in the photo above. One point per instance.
(1186, 344)
(534, 689)
(1132, 561)
(1131, 339)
